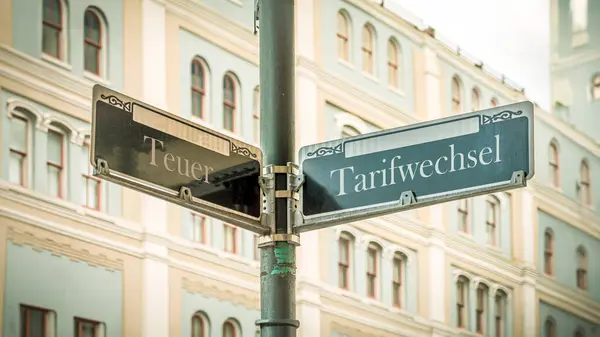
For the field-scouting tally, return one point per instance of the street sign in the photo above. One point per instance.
(161, 154)
(384, 172)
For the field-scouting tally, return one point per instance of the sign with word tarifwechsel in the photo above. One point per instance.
(417, 165)
(167, 156)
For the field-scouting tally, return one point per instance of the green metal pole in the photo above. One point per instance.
(277, 93)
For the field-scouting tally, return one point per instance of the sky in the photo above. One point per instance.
(511, 36)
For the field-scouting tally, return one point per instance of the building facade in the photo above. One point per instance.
(83, 257)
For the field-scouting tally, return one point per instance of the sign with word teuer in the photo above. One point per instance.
(417, 165)
(167, 156)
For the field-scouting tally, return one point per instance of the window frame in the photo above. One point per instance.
(99, 46)
(195, 217)
(585, 183)
(368, 49)
(596, 86)
(343, 36)
(462, 289)
(582, 268)
(79, 321)
(199, 90)
(493, 226)
(475, 100)
(398, 261)
(24, 323)
(554, 163)
(24, 155)
(456, 95)
(231, 104)
(61, 166)
(494, 102)
(373, 251)
(344, 266)
(234, 233)
(61, 27)
(463, 214)
(89, 176)
(233, 328)
(203, 324)
(550, 327)
(393, 63)
(481, 309)
(500, 309)
(549, 252)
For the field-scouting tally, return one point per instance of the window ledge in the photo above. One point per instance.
(346, 63)
(465, 235)
(95, 78)
(371, 77)
(396, 90)
(237, 2)
(57, 62)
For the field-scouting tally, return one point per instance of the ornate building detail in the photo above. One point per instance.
(208, 288)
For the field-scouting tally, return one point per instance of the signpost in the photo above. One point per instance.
(164, 155)
(418, 165)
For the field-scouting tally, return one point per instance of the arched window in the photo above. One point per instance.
(463, 215)
(596, 87)
(229, 103)
(481, 308)
(492, 219)
(494, 102)
(398, 270)
(553, 163)
(256, 115)
(373, 258)
(456, 95)
(585, 193)
(200, 325)
(548, 252)
(393, 63)
(198, 88)
(500, 302)
(92, 26)
(19, 145)
(550, 328)
(368, 49)
(229, 329)
(53, 26)
(462, 300)
(582, 268)
(475, 100)
(345, 253)
(343, 36)
(580, 332)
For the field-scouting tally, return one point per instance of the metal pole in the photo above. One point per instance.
(277, 93)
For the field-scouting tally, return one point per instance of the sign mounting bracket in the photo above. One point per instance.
(295, 180)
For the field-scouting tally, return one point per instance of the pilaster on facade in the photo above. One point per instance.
(155, 269)
(432, 83)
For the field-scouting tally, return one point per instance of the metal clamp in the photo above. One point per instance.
(101, 168)
(185, 193)
(518, 178)
(270, 194)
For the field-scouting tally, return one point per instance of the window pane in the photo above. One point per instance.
(228, 117)
(343, 251)
(91, 58)
(52, 11)
(92, 27)
(197, 104)
(15, 168)
(228, 330)
(50, 40)
(397, 269)
(87, 329)
(371, 261)
(18, 134)
(197, 327)
(53, 181)
(55, 148)
(36, 323)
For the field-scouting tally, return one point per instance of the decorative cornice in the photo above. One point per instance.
(569, 300)
(247, 299)
(222, 28)
(23, 238)
(47, 79)
(344, 91)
